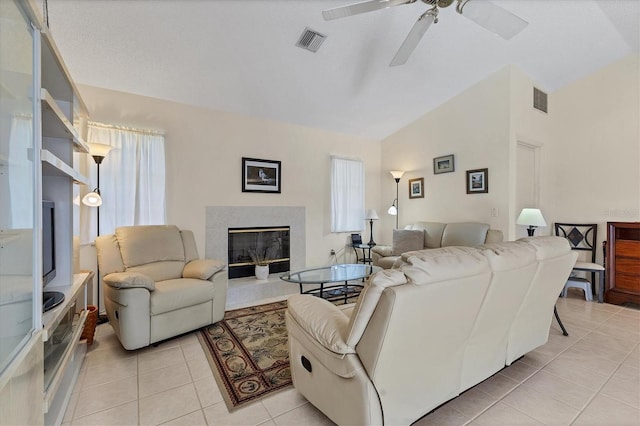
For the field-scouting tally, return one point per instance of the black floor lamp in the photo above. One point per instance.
(93, 199)
(393, 210)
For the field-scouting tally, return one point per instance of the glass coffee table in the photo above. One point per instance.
(328, 276)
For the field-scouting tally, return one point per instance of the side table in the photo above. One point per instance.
(366, 253)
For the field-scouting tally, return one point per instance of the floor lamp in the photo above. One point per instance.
(393, 210)
(93, 199)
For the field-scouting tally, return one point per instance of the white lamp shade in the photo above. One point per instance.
(99, 149)
(392, 210)
(531, 217)
(397, 174)
(92, 199)
(371, 215)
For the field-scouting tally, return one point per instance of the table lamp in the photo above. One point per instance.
(531, 217)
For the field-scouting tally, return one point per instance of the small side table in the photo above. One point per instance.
(366, 253)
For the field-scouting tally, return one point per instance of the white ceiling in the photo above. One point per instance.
(240, 55)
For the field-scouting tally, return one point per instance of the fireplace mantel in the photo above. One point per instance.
(220, 218)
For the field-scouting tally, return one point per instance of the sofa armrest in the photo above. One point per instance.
(122, 280)
(321, 320)
(383, 251)
(202, 269)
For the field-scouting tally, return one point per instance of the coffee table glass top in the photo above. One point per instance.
(330, 274)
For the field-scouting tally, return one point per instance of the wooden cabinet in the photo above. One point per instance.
(623, 263)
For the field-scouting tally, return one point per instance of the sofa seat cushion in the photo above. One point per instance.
(405, 240)
(180, 293)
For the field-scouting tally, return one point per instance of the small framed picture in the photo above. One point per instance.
(416, 188)
(260, 175)
(443, 164)
(478, 181)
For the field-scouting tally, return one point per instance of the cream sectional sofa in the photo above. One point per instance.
(421, 334)
(427, 235)
(155, 285)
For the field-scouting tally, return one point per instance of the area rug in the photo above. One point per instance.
(248, 353)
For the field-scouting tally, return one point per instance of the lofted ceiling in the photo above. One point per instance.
(240, 55)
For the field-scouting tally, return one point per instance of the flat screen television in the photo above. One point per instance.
(50, 299)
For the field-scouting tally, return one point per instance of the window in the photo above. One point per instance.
(132, 180)
(347, 195)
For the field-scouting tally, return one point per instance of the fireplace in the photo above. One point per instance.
(270, 242)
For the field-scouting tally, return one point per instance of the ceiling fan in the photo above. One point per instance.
(484, 13)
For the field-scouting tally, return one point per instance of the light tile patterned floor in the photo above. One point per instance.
(591, 377)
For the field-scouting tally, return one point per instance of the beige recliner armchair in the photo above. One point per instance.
(155, 287)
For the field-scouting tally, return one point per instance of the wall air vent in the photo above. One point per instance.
(311, 40)
(539, 100)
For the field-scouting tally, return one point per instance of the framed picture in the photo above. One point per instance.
(478, 181)
(443, 164)
(260, 175)
(416, 188)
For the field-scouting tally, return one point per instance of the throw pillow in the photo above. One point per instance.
(405, 240)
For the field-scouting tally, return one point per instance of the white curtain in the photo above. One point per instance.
(132, 180)
(347, 195)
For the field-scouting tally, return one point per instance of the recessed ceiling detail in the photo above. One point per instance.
(311, 40)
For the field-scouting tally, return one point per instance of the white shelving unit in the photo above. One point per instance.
(54, 353)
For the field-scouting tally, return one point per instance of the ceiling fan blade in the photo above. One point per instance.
(413, 38)
(492, 17)
(363, 7)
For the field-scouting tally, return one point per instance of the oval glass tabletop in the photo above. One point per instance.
(330, 274)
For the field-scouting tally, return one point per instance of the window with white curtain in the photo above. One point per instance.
(347, 195)
(132, 180)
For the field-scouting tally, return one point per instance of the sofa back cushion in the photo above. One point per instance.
(468, 234)
(513, 265)
(432, 232)
(154, 250)
(412, 347)
(405, 240)
(109, 258)
(530, 327)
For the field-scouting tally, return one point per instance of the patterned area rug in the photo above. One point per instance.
(248, 353)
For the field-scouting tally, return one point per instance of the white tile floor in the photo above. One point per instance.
(591, 377)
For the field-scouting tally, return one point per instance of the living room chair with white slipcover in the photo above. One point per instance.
(583, 237)
(156, 287)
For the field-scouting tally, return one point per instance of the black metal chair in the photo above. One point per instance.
(583, 237)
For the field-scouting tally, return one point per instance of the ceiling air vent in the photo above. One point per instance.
(539, 100)
(311, 40)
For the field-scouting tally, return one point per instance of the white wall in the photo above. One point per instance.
(533, 128)
(204, 150)
(474, 126)
(591, 170)
(589, 151)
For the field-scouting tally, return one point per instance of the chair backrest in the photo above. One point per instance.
(159, 251)
(582, 237)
